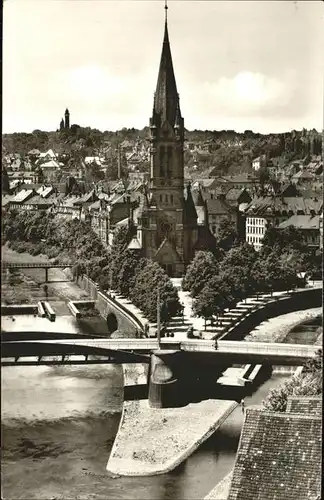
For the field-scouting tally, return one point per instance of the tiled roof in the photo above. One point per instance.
(45, 191)
(50, 153)
(302, 174)
(23, 195)
(50, 164)
(39, 200)
(306, 405)
(301, 222)
(217, 206)
(279, 457)
(239, 178)
(296, 204)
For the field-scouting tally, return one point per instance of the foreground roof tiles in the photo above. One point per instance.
(279, 457)
(305, 405)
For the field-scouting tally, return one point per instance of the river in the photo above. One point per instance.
(59, 423)
(58, 427)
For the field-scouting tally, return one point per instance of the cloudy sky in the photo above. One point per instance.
(239, 65)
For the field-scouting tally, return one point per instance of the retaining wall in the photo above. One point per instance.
(19, 309)
(299, 300)
(128, 324)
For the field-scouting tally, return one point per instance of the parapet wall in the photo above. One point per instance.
(299, 300)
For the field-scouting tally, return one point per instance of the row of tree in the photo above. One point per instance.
(219, 283)
(134, 277)
(116, 268)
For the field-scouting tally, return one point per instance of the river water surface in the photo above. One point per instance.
(58, 427)
(59, 424)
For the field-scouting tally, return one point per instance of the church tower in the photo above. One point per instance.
(167, 223)
(67, 118)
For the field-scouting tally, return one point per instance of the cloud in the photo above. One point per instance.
(246, 93)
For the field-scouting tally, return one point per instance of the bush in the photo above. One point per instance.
(309, 383)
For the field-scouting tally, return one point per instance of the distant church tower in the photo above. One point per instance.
(67, 119)
(167, 221)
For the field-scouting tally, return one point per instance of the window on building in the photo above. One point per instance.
(161, 198)
(171, 196)
(166, 198)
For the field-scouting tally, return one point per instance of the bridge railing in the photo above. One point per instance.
(31, 265)
(266, 347)
(115, 344)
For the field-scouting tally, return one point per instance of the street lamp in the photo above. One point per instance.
(158, 317)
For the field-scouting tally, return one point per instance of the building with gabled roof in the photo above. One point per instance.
(278, 457)
(305, 404)
(274, 210)
(308, 226)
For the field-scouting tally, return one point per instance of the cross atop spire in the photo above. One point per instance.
(166, 9)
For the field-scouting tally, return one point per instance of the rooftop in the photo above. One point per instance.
(279, 457)
(301, 222)
(305, 405)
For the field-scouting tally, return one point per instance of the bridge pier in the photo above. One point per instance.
(168, 380)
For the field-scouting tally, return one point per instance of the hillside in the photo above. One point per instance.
(227, 151)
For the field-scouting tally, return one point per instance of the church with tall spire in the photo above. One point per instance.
(166, 222)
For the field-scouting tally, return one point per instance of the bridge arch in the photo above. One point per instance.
(112, 322)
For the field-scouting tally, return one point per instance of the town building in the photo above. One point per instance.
(259, 162)
(308, 226)
(279, 454)
(267, 211)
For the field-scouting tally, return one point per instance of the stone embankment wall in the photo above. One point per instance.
(12, 310)
(299, 300)
(127, 323)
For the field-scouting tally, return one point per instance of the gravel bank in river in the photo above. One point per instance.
(155, 441)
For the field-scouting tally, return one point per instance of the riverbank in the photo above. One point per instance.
(276, 329)
(67, 290)
(155, 441)
(273, 330)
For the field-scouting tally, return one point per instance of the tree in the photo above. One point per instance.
(258, 278)
(240, 256)
(227, 234)
(5, 181)
(308, 383)
(127, 271)
(148, 279)
(122, 238)
(272, 274)
(204, 303)
(202, 268)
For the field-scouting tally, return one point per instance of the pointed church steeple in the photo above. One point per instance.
(166, 98)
